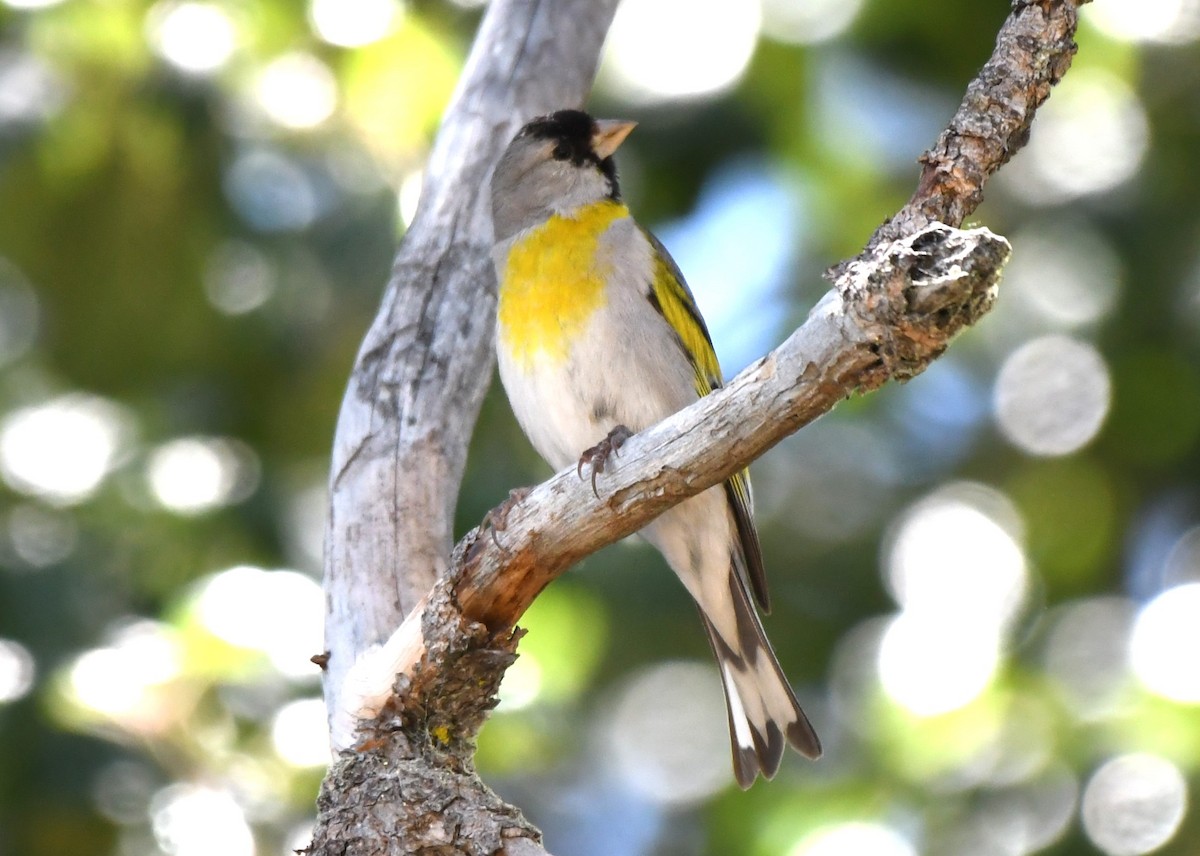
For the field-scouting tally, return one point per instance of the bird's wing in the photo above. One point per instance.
(670, 296)
(673, 299)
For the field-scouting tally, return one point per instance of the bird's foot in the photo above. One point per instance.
(598, 455)
(496, 520)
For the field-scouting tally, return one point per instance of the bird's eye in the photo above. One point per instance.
(562, 152)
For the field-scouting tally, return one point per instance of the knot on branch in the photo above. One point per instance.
(438, 708)
(371, 804)
(412, 780)
(912, 296)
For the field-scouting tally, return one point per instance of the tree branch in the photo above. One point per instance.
(411, 707)
(1034, 49)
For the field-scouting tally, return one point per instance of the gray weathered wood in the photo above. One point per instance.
(419, 378)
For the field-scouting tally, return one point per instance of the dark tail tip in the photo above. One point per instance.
(768, 747)
(745, 766)
(803, 738)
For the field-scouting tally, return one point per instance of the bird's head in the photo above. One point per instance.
(554, 165)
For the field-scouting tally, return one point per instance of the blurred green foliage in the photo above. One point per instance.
(198, 210)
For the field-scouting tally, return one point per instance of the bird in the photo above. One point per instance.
(597, 337)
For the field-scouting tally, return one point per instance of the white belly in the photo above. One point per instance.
(625, 369)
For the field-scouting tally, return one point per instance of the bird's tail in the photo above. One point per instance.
(763, 711)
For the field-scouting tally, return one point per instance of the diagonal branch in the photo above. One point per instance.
(1034, 49)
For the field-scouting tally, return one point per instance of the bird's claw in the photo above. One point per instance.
(496, 520)
(598, 455)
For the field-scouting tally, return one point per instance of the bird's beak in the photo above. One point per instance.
(609, 134)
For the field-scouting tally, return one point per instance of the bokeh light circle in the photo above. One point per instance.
(856, 838)
(669, 733)
(297, 91)
(61, 450)
(809, 21)
(934, 667)
(192, 475)
(300, 734)
(196, 820)
(1067, 274)
(195, 37)
(1164, 21)
(353, 23)
(1052, 395)
(42, 535)
(17, 670)
(660, 50)
(955, 552)
(1133, 804)
(1165, 642)
(1086, 655)
(239, 277)
(271, 190)
(1091, 137)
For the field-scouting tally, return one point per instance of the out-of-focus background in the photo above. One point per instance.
(986, 582)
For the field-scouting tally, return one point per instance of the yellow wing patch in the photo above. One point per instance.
(673, 299)
(552, 283)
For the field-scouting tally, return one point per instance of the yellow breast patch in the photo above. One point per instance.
(553, 282)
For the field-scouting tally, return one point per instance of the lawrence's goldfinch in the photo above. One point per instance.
(599, 335)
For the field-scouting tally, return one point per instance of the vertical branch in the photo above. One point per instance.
(406, 419)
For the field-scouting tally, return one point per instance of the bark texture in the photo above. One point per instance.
(1034, 49)
(411, 787)
(422, 371)
(406, 711)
